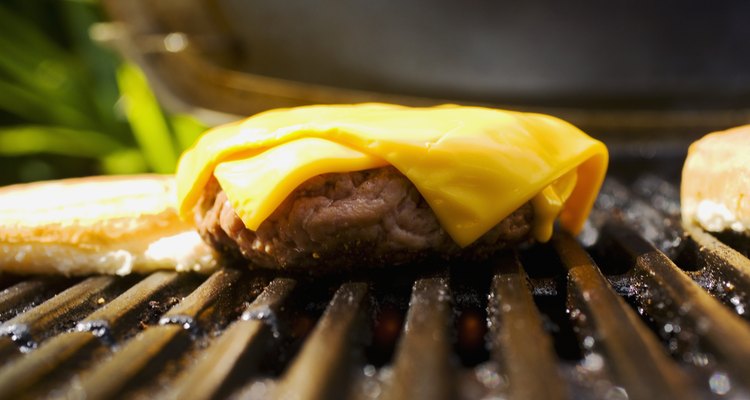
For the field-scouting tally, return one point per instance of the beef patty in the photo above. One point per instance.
(370, 218)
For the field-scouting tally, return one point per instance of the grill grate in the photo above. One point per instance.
(639, 308)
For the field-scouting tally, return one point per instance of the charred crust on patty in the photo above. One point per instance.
(341, 221)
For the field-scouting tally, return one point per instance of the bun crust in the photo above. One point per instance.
(106, 224)
(715, 190)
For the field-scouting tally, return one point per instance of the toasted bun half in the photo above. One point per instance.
(109, 225)
(715, 190)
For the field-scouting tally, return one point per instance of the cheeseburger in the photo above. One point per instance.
(347, 186)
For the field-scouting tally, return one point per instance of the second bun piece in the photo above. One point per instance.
(715, 189)
(100, 224)
(369, 185)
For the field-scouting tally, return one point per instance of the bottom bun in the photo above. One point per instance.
(109, 225)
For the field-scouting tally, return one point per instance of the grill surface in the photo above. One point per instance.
(638, 308)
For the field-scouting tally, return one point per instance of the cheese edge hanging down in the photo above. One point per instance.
(474, 166)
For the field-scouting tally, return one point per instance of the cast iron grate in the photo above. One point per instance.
(640, 307)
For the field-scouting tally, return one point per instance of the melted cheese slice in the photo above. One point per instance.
(474, 166)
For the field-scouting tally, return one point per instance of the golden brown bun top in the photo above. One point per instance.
(730, 142)
(89, 212)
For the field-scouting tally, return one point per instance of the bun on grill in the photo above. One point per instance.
(715, 189)
(109, 225)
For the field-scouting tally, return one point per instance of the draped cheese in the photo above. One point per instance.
(474, 166)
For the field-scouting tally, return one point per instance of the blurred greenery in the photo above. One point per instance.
(69, 106)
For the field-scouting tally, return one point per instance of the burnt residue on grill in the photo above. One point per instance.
(639, 306)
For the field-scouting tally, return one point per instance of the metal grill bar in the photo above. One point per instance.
(323, 369)
(632, 353)
(59, 313)
(109, 322)
(729, 268)
(717, 253)
(518, 341)
(20, 376)
(673, 296)
(27, 293)
(156, 344)
(241, 345)
(124, 313)
(209, 303)
(111, 377)
(423, 366)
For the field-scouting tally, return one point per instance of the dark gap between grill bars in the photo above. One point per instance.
(390, 304)
(542, 264)
(470, 285)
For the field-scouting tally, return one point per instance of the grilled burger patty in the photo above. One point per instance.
(370, 218)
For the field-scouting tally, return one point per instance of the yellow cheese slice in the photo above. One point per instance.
(255, 186)
(549, 203)
(474, 166)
